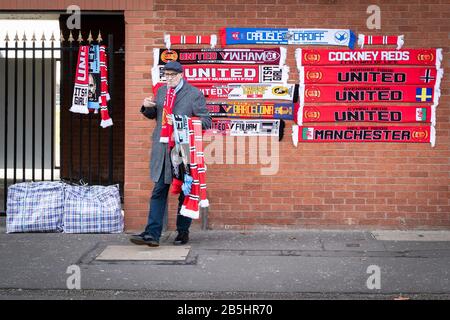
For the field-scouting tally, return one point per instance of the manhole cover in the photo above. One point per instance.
(144, 253)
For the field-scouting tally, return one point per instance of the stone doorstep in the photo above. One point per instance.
(144, 253)
(416, 235)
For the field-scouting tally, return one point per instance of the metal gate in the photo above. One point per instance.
(29, 100)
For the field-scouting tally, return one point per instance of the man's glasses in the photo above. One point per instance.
(170, 75)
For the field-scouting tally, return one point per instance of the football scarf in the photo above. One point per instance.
(80, 91)
(166, 128)
(358, 94)
(197, 195)
(232, 127)
(249, 91)
(333, 57)
(416, 134)
(261, 110)
(370, 75)
(392, 114)
(94, 94)
(226, 91)
(328, 37)
(180, 154)
(275, 56)
(380, 40)
(169, 40)
(104, 113)
(228, 74)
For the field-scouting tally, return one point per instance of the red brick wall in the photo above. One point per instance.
(318, 185)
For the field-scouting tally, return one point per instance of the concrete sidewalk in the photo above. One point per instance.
(294, 264)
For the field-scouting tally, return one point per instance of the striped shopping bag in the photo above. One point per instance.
(35, 207)
(92, 209)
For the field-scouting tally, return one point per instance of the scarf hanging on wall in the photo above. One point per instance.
(380, 40)
(416, 134)
(370, 75)
(104, 113)
(256, 127)
(342, 57)
(392, 114)
(80, 91)
(364, 94)
(169, 40)
(328, 37)
(261, 110)
(245, 91)
(223, 73)
(271, 56)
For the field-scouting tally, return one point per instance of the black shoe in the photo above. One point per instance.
(182, 238)
(144, 238)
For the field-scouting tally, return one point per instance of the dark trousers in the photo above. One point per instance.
(158, 204)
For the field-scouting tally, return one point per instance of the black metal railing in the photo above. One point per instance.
(29, 150)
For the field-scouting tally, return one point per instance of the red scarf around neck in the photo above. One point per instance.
(166, 128)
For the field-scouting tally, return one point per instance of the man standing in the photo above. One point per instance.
(189, 101)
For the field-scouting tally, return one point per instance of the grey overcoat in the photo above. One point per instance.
(190, 102)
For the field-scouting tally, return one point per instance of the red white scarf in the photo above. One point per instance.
(390, 114)
(106, 120)
(343, 57)
(381, 40)
(166, 128)
(197, 196)
(269, 56)
(416, 134)
(169, 40)
(364, 94)
(385, 75)
(80, 91)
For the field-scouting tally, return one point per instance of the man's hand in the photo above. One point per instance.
(148, 102)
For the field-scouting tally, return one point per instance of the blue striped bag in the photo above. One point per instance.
(93, 209)
(35, 207)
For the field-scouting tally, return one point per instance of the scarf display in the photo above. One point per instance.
(95, 83)
(91, 83)
(271, 56)
(166, 128)
(380, 40)
(416, 134)
(104, 113)
(364, 94)
(261, 110)
(392, 114)
(370, 75)
(340, 57)
(80, 91)
(223, 73)
(241, 127)
(197, 170)
(169, 40)
(289, 36)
